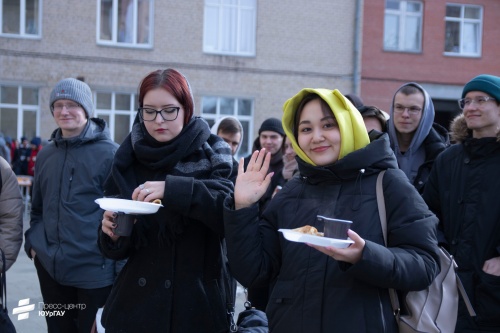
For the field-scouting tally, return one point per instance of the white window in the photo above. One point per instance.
(213, 108)
(119, 110)
(20, 18)
(125, 23)
(19, 110)
(403, 26)
(229, 27)
(463, 32)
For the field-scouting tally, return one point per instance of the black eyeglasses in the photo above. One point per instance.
(413, 110)
(479, 100)
(168, 114)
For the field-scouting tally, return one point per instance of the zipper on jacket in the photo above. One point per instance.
(70, 182)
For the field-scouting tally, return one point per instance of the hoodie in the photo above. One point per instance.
(414, 157)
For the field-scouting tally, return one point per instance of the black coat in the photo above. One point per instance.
(434, 144)
(173, 280)
(462, 190)
(313, 292)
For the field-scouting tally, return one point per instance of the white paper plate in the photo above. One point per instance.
(128, 206)
(299, 237)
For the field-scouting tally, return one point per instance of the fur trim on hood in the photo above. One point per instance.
(459, 130)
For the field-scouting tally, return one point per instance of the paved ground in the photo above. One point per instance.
(22, 284)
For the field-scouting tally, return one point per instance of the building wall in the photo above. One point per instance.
(298, 46)
(443, 76)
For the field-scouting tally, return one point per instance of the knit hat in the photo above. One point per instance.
(272, 124)
(75, 90)
(486, 83)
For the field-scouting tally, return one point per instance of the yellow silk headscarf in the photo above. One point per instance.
(352, 128)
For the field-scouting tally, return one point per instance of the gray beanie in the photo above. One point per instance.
(75, 90)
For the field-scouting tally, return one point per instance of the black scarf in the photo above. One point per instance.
(141, 158)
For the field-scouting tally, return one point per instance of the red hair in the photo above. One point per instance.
(173, 82)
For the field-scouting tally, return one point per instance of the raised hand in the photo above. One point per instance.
(252, 184)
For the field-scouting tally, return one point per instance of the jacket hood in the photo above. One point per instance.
(459, 130)
(95, 130)
(352, 127)
(424, 126)
(215, 128)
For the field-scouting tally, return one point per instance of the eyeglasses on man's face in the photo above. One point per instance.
(168, 114)
(58, 107)
(413, 110)
(478, 100)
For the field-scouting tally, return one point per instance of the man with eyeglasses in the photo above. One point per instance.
(62, 238)
(415, 138)
(463, 191)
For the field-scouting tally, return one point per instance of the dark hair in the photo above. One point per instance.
(409, 89)
(355, 100)
(368, 111)
(310, 97)
(229, 125)
(173, 82)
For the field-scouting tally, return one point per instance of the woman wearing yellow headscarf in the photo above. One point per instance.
(339, 287)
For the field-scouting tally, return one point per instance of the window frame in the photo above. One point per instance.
(462, 20)
(112, 112)
(113, 41)
(22, 21)
(221, 20)
(247, 137)
(21, 108)
(403, 15)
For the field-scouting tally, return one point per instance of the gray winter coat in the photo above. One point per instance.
(64, 217)
(313, 292)
(11, 214)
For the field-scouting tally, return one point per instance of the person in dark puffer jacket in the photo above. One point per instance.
(328, 289)
(462, 190)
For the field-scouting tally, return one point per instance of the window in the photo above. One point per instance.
(20, 18)
(119, 110)
(403, 26)
(18, 111)
(125, 22)
(463, 30)
(229, 27)
(213, 108)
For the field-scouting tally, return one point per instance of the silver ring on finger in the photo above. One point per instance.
(141, 186)
(147, 190)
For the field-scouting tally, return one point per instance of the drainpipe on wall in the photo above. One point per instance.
(357, 48)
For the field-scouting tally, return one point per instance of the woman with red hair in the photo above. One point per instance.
(174, 272)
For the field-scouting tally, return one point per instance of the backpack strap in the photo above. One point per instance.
(383, 222)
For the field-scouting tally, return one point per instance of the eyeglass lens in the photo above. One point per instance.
(168, 114)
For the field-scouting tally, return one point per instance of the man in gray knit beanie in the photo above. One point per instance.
(62, 237)
(73, 90)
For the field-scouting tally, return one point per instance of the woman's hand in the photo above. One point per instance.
(109, 225)
(149, 191)
(351, 254)
(252, 184)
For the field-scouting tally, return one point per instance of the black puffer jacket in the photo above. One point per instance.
(313, 292)
(462, 190)
(434, 143)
